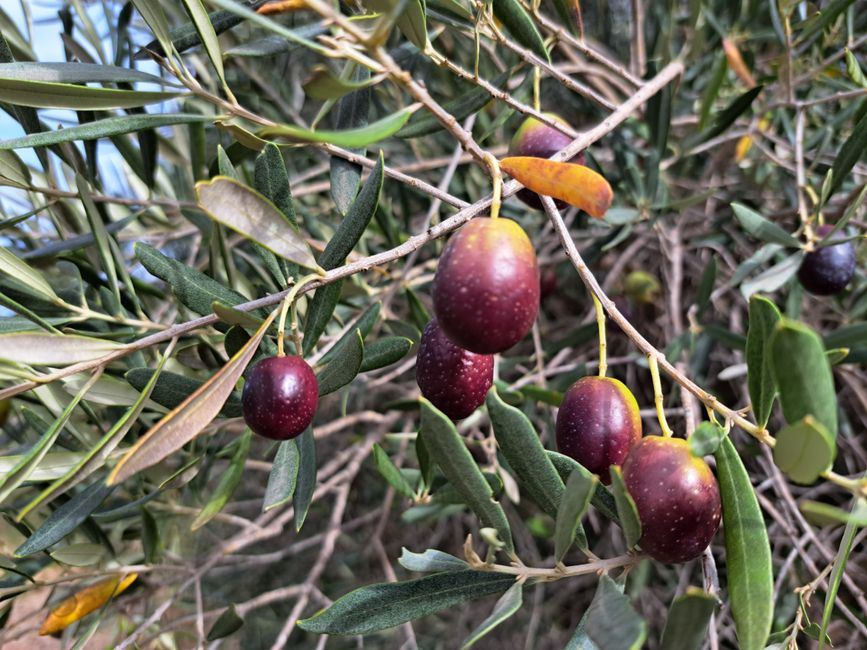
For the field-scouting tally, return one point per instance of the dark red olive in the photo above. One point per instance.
(677, 498)
(453, 379)
(537, 139)
(280, 396)
(598, 423)
(829, 269)
(486, 288)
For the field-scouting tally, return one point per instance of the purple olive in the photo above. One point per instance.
(486, 288)
(677, 498)
(598, 423)
(280, 397)
(453, 379)
(829, 269)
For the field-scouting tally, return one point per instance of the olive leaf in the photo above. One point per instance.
(379, 607)
(448, 451)
(748, 552)
(244, 210)
(185, 422)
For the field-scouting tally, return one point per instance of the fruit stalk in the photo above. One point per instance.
(290, 301)
(497, 182)
(657, 396)
(537, 82)
(603, 345)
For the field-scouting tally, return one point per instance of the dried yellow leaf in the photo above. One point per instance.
(736, 63)
(279, 6)
(84, 602)
(575, 184)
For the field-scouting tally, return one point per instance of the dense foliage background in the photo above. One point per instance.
(727, 131)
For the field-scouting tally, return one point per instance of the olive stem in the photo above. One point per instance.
(855, 486)
(537, 82)
(603, 344)
(561, 571)
(284, 308)
(289, 301)
(657, 396)
(497, 181)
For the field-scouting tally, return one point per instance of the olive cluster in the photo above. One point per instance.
(486, 298)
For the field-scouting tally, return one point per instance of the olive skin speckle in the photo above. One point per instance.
(677, 498)
(598, 423)
(280, 397)
(486, 288)
(829, 269)
(538, 140)
(453, 379)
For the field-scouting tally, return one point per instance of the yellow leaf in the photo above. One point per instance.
(736, 63)
(575, 184)
(279, 6)
(746, 142)
(743, 148)
(84, 602)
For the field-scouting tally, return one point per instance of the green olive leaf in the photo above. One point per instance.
(706, 438)
(43, 349)
(803, 375)
(748, 560)
(521, 26)
(509, 603)
(610, 622)
(626, 510)
(602, 499)
(824, 514)
(307, 471)
(573, 506)
(688, 619)
(804, 450)
(761, 228)
(382, 606)
(448, 451)
(523, 450)
(345, 365)
(65, 519)
(229, 481)
(763, 319)
(47, 94)
(348, 234)
(283, 477)
(431, 561)
(105, 128)
(391, 473)
(227, 623)
(244, 210)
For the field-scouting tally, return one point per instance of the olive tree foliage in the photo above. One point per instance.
(193, 169)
